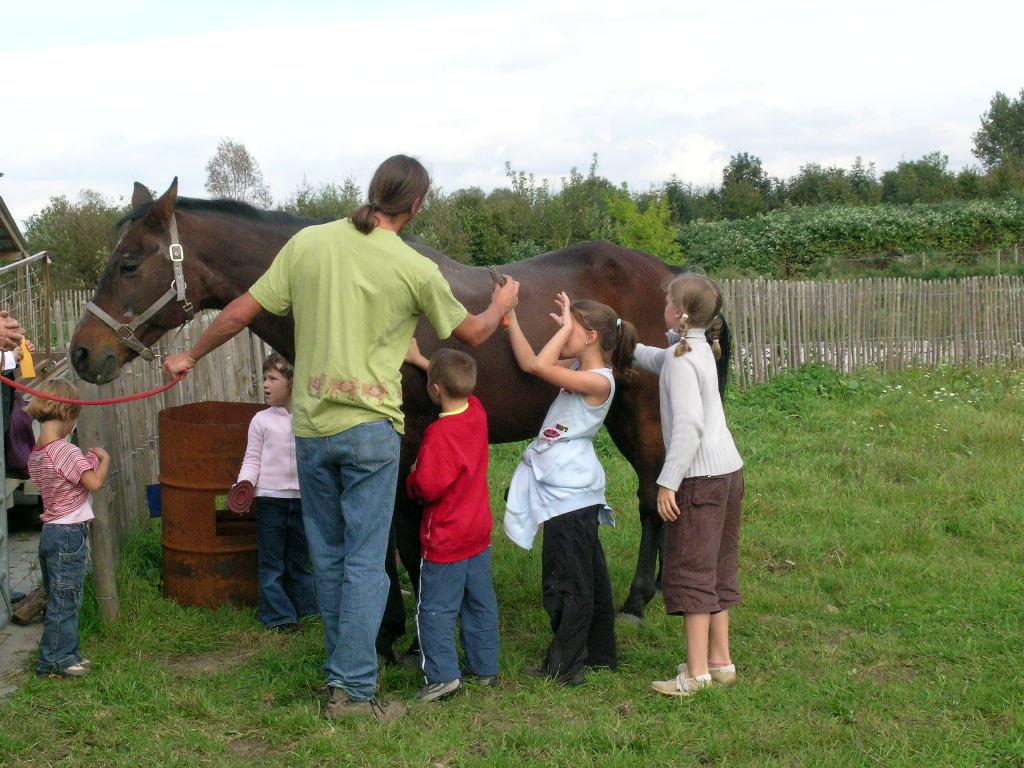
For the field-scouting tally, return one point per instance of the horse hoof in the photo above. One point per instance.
(629, 619)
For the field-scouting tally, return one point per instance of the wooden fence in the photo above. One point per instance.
(891, 323)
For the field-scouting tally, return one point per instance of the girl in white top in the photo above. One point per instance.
(560, 482)
(700, 485)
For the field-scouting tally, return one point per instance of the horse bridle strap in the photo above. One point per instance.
(126, 331)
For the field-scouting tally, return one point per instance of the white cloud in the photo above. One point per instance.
(653, 87)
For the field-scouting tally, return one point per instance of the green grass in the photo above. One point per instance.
(881, 564)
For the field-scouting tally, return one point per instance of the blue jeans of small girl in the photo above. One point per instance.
(62, 556)
(287, 589)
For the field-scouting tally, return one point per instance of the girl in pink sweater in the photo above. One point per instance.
(286, 587)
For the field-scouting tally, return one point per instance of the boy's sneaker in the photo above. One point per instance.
(438, 691)
(380, 711)
(541, 671)
(488, 681)
(682, 686)
(720, 675)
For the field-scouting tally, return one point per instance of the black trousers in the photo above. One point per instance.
(577, 595)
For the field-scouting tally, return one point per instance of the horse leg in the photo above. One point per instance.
(634, 424)
(405, 537)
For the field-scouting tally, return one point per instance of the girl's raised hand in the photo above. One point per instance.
(564, 315)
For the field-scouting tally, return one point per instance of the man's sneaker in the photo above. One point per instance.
(488, 681)
(380, 711)
(438, 691)
(85, 663)
(720, 675)
(75, 670)
(681, 686)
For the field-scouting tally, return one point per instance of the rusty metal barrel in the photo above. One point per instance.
(209, 554)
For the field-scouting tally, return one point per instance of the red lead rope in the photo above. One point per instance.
(107, 401)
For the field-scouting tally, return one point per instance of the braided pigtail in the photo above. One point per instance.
(714, 334)
(684, 325)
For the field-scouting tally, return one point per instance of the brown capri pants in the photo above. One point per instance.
(701, 567)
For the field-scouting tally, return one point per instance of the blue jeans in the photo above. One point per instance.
(348, 484)
(62, 556)
(447, 591)
(287, 589)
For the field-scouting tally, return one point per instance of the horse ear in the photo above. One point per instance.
(141, 195)
(160, 214)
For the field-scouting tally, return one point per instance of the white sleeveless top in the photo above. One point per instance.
(560, 471)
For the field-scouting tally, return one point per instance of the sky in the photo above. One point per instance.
(99, 95)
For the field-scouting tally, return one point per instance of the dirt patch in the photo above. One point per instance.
(885, 673)
(210, 663)
(250, 748)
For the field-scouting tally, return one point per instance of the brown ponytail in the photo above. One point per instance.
(617, 336)
(394, 189)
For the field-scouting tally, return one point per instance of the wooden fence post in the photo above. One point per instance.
(104, 548)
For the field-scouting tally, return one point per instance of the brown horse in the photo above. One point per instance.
(228, 245)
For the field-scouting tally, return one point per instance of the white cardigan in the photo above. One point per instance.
(697, 440)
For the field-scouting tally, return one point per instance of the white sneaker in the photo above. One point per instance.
(720, 675)
(75, 670)
(682, 686)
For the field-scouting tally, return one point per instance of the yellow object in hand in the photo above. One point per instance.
(28, 368)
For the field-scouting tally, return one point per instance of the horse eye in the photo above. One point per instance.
(128, 267)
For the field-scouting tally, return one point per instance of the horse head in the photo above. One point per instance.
(140, 273)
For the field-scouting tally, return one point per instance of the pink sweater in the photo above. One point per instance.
(269, 462)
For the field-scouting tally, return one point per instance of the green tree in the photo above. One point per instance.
(927, 180)
(1001, 136)
(233, 173)
(648, 229)
(746, 188)
(80, 235)
(815, 185)
(689, 202)
(864, 183)
(1007, 178)
(328, 201)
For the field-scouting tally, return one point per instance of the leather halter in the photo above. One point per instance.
(126, 331)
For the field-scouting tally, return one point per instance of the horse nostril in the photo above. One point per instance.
(79, 357)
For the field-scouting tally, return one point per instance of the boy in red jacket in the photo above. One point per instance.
(450, 478)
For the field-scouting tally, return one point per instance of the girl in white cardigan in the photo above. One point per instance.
(700, 486)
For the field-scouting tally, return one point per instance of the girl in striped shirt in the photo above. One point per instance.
(65, 478)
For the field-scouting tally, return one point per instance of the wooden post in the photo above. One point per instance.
(104, 552)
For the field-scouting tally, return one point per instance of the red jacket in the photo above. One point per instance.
(451, 480)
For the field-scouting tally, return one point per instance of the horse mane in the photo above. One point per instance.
(224, 207)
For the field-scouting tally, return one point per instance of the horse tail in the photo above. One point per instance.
(725, 343)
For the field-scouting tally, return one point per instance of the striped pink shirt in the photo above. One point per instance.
(57, 469)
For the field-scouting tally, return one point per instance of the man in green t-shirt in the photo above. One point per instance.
(356, 292)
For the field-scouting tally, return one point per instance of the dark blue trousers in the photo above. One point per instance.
(449, 591)
(287, 589)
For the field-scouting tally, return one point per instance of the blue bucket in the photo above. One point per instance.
(155, 499)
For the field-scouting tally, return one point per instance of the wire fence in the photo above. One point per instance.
(25, 293)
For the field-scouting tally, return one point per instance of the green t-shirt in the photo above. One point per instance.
(356, 300)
